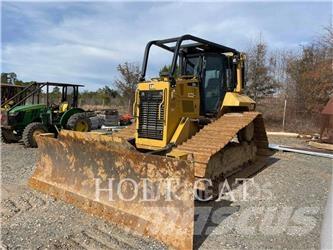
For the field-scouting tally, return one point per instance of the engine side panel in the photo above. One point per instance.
(159, 108)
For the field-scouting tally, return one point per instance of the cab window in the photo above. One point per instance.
(192, 66)
(213, 84)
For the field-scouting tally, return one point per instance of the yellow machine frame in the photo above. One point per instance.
(182, 106)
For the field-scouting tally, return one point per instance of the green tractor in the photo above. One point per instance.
(47, 112)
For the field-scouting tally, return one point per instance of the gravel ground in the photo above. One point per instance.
(281, 208)
(284, 206)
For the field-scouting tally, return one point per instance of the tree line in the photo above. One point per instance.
(120, 94)
(286, 84)
(292, 85)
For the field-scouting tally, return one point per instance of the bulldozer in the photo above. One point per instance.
(193, 129)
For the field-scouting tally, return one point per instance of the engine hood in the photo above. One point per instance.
(23, 108)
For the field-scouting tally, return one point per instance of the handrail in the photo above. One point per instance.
(135, 104)
(160, 106)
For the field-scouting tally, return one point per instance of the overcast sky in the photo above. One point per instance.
(84, 42)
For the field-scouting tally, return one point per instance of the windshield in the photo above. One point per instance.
(192, 65)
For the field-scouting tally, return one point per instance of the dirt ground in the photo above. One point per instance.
(282, 208)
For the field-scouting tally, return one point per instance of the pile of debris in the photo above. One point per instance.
(109, 118)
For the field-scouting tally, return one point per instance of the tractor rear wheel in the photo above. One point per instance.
(7, 136)
(79, 122)
(30, 132)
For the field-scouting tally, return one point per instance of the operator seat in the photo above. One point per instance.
(63, 107)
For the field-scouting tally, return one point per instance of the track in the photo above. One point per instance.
(15, 206)
(217, 135)
(54, 226)
(98, 237)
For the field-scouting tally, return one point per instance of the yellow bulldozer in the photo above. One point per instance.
(193, 129)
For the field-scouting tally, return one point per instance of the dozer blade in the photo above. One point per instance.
(107, 177)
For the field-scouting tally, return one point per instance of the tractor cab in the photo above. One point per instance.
(48, 107)
(63, 97)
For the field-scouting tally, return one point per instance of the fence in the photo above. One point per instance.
(281, 114)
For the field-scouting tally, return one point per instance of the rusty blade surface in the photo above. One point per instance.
(152, 195)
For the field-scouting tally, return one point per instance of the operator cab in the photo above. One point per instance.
(214, 65)
(64, 98)
(215, 73)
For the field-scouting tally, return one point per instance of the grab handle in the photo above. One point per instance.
(160, 106)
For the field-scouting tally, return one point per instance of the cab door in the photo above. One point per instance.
(213, 83)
